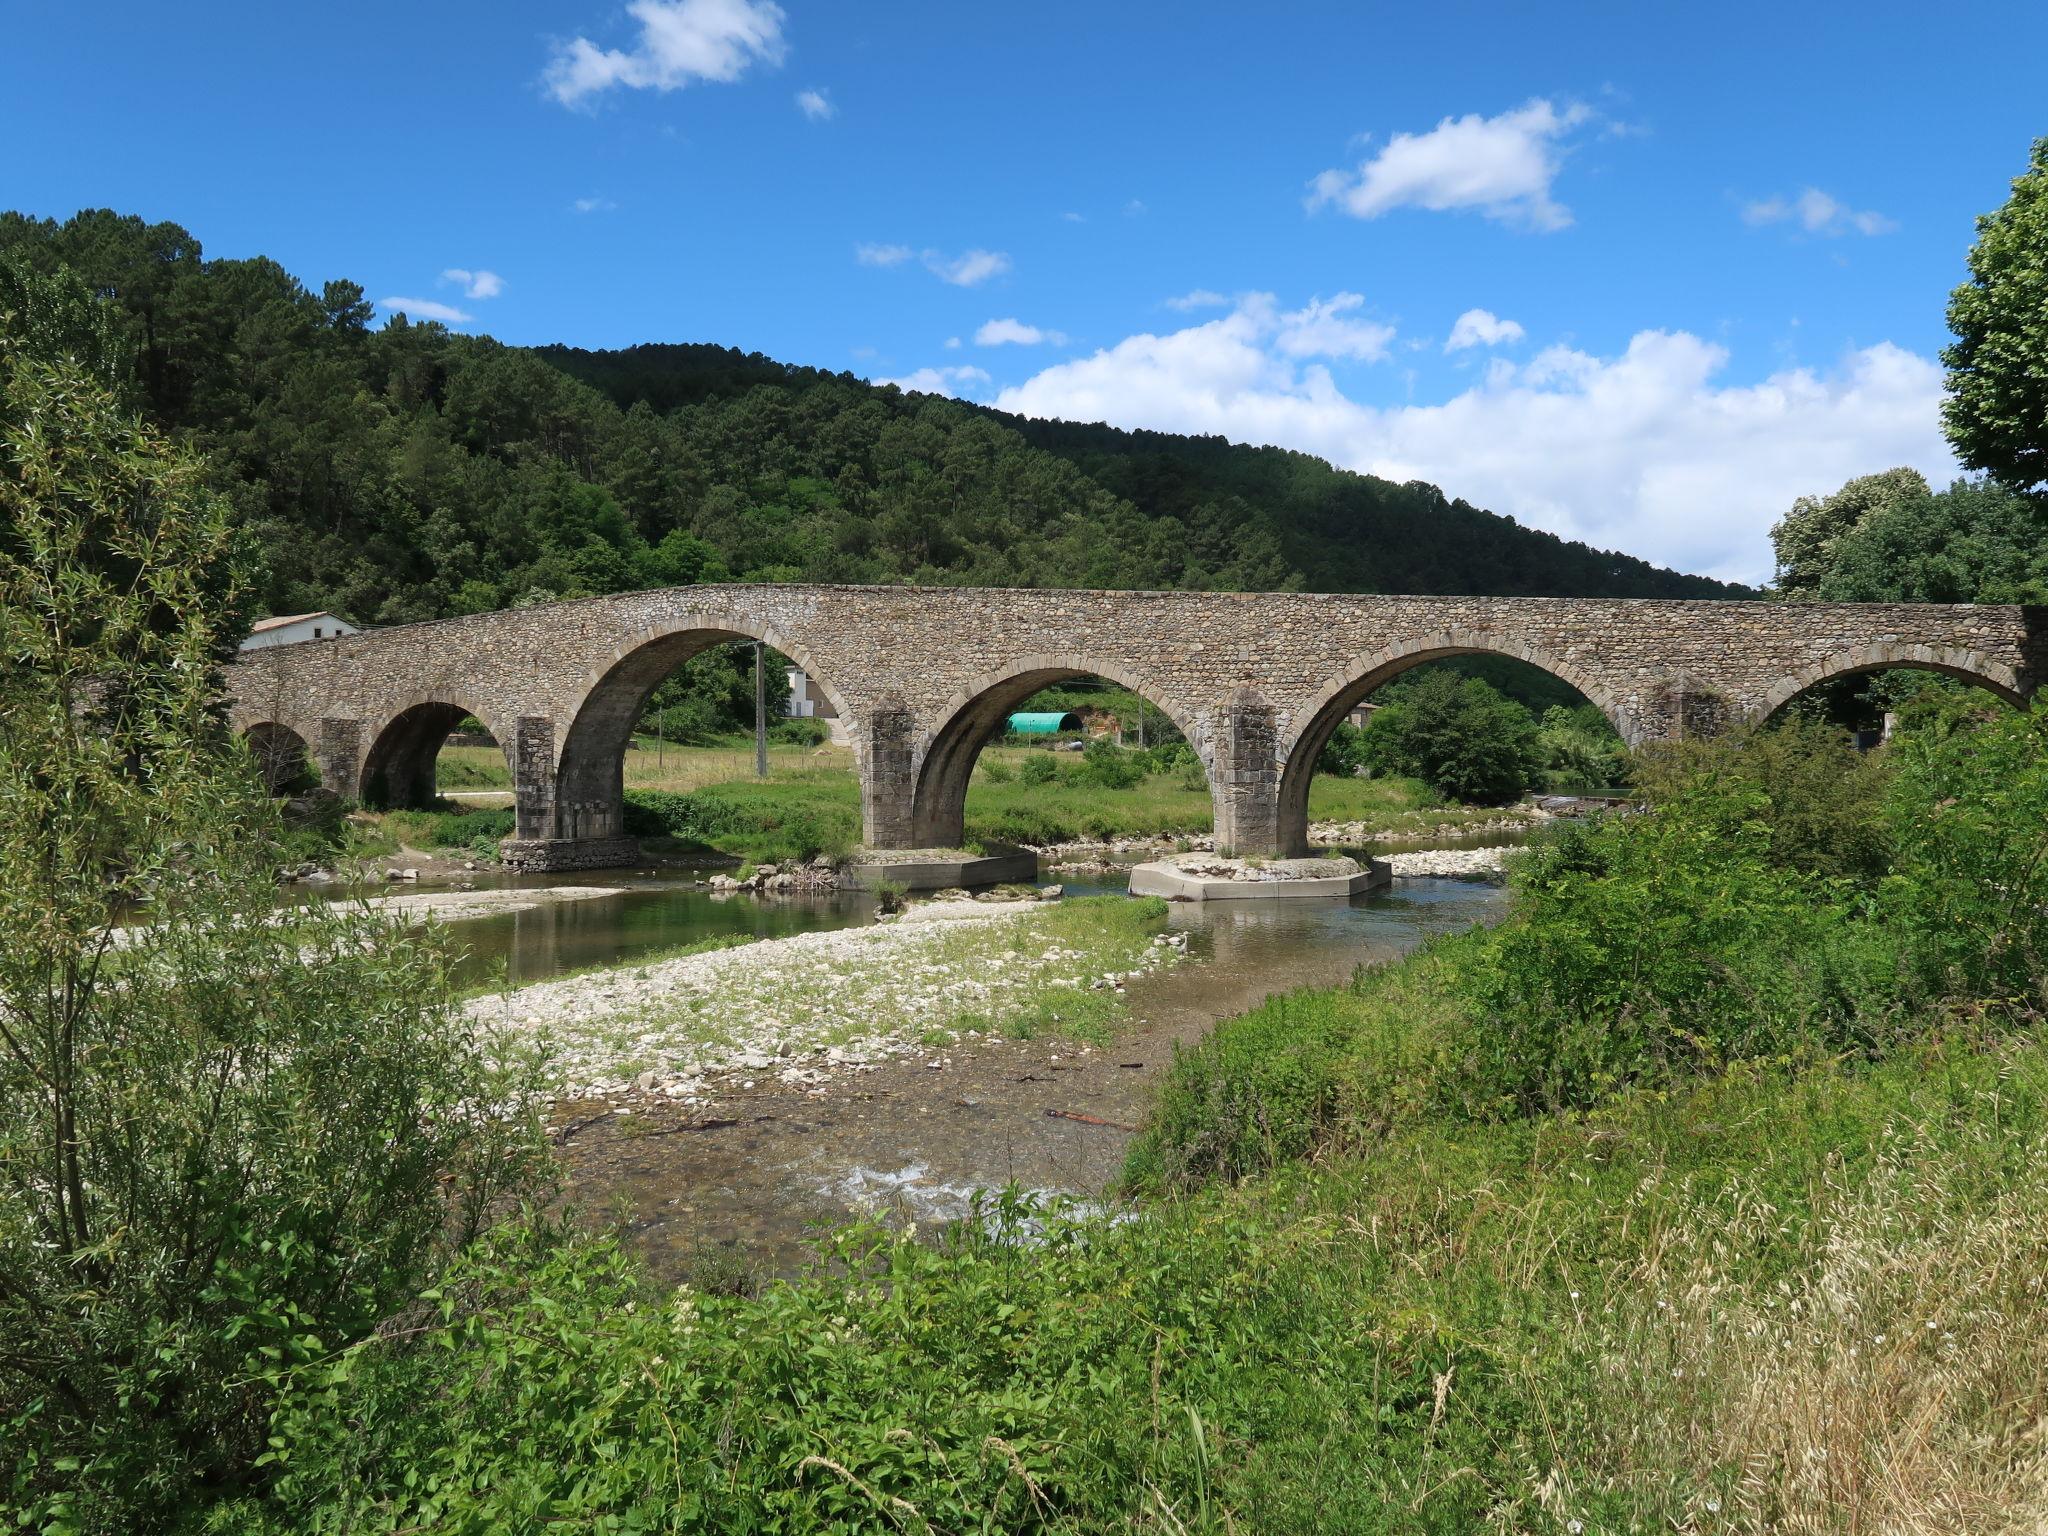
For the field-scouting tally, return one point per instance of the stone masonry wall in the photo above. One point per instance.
(1253, 679)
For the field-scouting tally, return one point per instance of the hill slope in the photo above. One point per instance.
(408, 472)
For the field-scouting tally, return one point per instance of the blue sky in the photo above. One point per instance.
(1634, 272)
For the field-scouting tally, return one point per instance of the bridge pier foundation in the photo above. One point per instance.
(553, 855)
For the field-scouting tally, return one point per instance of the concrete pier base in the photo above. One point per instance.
(1211, 877)
(938, 869)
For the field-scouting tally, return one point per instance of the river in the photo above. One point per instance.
(737, 1187)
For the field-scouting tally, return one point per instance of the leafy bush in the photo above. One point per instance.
(234, 1137)
(1037, 769)
(996, 771)
(764, 831)
(1455, 734)
(1820, 799)
(1345, 754)
(1579, 750)
(1968, 822)
(1109, 766)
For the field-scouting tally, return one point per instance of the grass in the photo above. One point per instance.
(810, 801)
(1778, 1301)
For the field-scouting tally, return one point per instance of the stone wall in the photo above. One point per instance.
(1256, 681)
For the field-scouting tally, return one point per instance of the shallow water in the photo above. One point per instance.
(914, 1138)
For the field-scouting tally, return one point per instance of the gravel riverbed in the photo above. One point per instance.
(805, 1009)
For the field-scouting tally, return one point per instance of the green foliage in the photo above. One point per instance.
(447, 825)
(711, 696)
(1968, 821)
(1820, 800)
(1455, 734)
(1037, 769)
(1109, 766)
(232, 1136)
(1996, 414)
(1887, 538)
(1345, 754)
(1579, 750)
(1515, 1325)
(409, 473)
(795, 821)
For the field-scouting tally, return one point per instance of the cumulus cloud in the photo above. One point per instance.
(1481, 328)
(869, 254)
(998, 333)
(939, 381)
(425, 309)
(1201, 298)
(815, 105)
(1646, 451)
(475, 285)
(1503, 166)
(968, 268)
(1327, 330)
(593, 205)
(1817, 214)
(680, 41)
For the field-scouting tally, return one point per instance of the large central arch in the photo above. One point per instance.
(590, 778)
(1368, 673)
(976, 715)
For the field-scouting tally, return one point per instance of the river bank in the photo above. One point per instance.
(812, 1008)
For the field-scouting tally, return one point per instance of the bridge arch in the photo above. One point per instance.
(974, 716)
(590, 771)
(1319, 718)
(398, 769)
(1881, 655)
(282, 755)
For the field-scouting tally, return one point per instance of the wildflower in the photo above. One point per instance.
(1575, 1526)
(1713, 1506)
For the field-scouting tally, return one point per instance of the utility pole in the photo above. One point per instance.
(760, 714)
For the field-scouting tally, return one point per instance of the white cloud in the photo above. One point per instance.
(1324, 330)
(1073, 218)
(1817, 214)
(1481, 328)
(475, 285)
(969, 267)
(815, 105)
(870, 254)
(680, 41)
(939, 381)
(1503, 166)
(952, 343)
(593, 205)
(996, 333)
(1644, 451)
(425, 309)
(1201, 298)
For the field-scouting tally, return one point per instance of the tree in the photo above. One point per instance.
(1807, 538)
(1456, 734)
(232, 1136)
(1996, 414)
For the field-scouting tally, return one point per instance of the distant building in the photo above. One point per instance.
(291, 628)
(807, 701)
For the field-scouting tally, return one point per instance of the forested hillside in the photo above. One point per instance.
(408, 472)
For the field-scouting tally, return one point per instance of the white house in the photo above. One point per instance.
(290, 628)
(807, 702)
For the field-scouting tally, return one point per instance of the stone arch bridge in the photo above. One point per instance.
(923, 676)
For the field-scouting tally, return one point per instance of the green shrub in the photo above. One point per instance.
(1037, 769)
(996, 771)
(1967, 816)
(244, 1136)
(1108, 766)
(1455, 734)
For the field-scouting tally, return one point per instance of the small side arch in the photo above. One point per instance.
(398, 770)
(590, 776)
(1318, 720)
(1881, 655)
(282, 756)
(973, 716)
